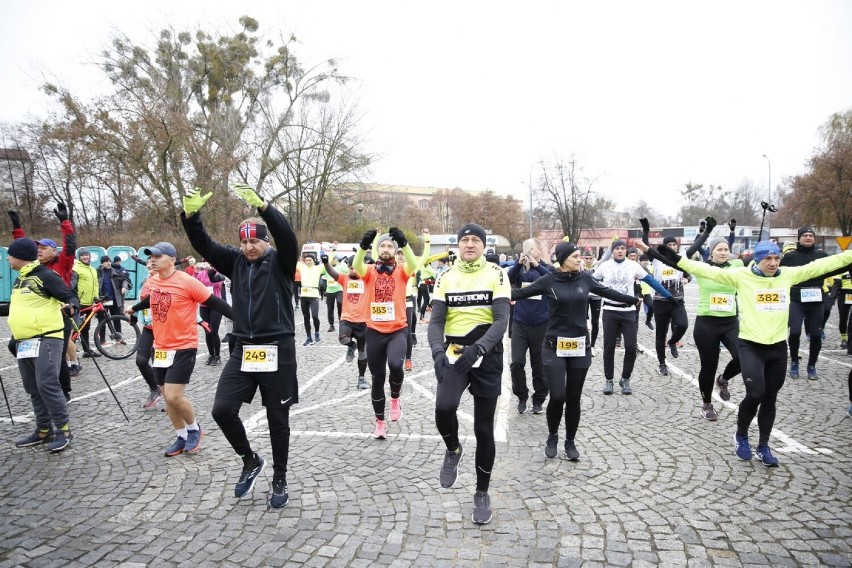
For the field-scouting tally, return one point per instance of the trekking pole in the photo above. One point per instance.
(95, 361)
(7, 400)
(98, 367)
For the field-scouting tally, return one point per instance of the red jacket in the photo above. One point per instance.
(63, 263)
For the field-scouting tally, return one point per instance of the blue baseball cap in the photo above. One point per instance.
(47, 243)
(160, 249)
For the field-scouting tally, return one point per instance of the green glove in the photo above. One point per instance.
(194, 201)
(247, 194)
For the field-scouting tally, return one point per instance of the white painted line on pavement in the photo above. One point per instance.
(833, 360)
(368, 435)
(791, 445)
(324, 372)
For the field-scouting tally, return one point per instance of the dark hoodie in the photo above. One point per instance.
(801, 256)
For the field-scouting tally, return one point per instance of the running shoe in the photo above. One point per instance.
(537, 408)
(794, 370)
(550, 446)
(625, 386)
(570, 453)
(649, 324)
(317, 337)
(664, 371)
(215, 361)
(522, 405)
(330, 328)
(308, 341)
(709, 412)
(395, 409)
(849, 411)
(362, 383)
(350, 353)
(193, 441)
(60, 441)
(67, 396)
(843, 344)
(248, 476)
(91, 354)
(743, 450)
(381, 431)
(414, 339)
(209, 360)
(812, 374)
(673, 350)
(36, 438)
(280, 494)
(481, 508)
(74, 369)
(765, 455)
(176, 448)
(724, 393)
(608, 387)
(153, 398)
(450, 467)
(408, 365)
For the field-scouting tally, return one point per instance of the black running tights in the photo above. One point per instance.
(566, 388)
(764, 370)
(708, 332)
(385, 350)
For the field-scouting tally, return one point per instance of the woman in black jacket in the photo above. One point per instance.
(566, 352)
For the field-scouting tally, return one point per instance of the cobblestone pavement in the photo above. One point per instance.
(656, 483)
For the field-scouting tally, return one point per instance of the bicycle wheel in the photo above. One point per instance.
(117, 345)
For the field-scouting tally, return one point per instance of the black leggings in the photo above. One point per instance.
(423, 298)
(412, 325)
(810, 312)
(665, 312)
(595, 317)
(648, 300)
(331, 299)
(447, 399)
(843, 311)
(764, 371)
(619, 323)
(310, 309)
(566, 388)
(214, 318)
(143, 357)
(709, 331)
(385, 351)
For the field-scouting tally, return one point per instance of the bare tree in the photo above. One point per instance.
(568, 193)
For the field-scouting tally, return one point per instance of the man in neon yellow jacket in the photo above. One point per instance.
(763, 296)
(39, 298)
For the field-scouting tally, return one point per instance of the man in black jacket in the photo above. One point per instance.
(805, 304)
(264, 354)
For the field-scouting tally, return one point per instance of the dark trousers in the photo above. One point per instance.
(310, 310)
(619, 323)
(843, 311)
(330, 300)
(385, 351)
(666, 312)
(595, 317)
(708, 333)
(566, 388)
(764, 370)
(528, 338)
(811, 314)
(213, 318)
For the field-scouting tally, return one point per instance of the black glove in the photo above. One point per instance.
(468, 357)
(441, 365)
(711, 224)
(367, 239)
(323, 258)
(16, 219)
(646, 227)
(398, 236)
(668, 253)
(61, 212)
(732, 225)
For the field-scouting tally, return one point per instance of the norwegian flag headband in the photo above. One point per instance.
(253, 231)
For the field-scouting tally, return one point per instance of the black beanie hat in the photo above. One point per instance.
(668, 240)
(804, 230)
(618, 243)
(472, 229)
(23, 249)
(563, 251)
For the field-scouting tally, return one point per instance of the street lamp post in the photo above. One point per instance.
(359, 212)
(769, 194)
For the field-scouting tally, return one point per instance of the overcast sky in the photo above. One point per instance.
(647, 95)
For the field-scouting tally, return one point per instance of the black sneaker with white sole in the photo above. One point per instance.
(248, 476)
(550, 447)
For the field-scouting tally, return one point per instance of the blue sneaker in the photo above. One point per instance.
(249, 476)
(794, 369)
(766, 456)
(60, 441)
(743, 449)
(849, 411)
(176, 448)
(812, 374)
(280, 494)
(193, 441)
(317, 337)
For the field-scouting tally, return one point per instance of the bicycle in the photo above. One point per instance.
(115, 345)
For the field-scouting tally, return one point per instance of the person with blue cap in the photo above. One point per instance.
(763, 296)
